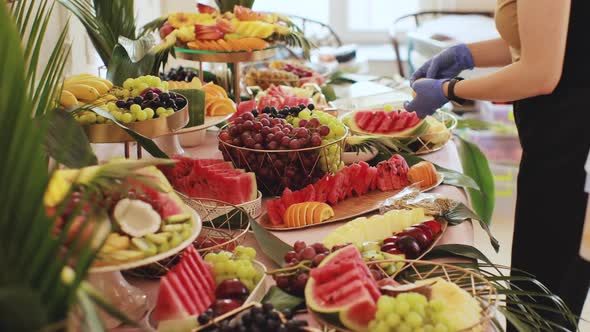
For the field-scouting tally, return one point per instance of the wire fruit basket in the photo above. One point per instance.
(279, 169)
(470, 280)
(224, 227)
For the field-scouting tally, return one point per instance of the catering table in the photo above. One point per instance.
(446, 157)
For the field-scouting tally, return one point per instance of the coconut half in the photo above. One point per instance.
(136, 218)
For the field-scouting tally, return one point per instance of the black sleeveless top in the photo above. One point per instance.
(560, 122)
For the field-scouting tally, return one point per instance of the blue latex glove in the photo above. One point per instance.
(429, 97)
(446, 64)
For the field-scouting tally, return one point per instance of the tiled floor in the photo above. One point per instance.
(503, 224)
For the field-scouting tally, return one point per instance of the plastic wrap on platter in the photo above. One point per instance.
(411, 197)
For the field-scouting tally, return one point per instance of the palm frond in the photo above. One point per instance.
(153, 25)
(381, 144)
(524, 301)
(104, 22)
(31, 19)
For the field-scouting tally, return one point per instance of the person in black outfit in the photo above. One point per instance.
(546, 72)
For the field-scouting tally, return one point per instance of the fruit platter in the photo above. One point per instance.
(287, 148)
(143, 104)
(281, 96)
(240, 30)
(400, 129)
(354, 190)
(197, 290)
(290, 73)
(431, 297)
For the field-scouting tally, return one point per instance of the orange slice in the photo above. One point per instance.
(322, 213)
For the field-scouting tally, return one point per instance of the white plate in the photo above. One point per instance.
(197, 225)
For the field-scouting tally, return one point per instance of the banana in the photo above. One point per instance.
(68, 99)
(79, 77)
(83, 91)
(95, 83)
(107, 83)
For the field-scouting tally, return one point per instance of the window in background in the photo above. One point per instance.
(377, 15)
(318, 10)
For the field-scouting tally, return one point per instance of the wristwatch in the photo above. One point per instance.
(451, 91)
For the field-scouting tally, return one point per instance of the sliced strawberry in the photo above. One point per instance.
(204, 9)
(225, 25)
(208, 32)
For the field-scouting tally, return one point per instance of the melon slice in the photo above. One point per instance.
(188, 289)
(343, 284)
(394, 123)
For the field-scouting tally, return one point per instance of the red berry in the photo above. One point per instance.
(434, 226)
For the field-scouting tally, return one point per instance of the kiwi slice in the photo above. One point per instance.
(177, 218)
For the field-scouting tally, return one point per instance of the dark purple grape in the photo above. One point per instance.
(316, 140)
(245, 135)
(313, 123)
(294, 144)
(310, 107)
(300, 282)
(302, 106)
(180, 102)
(164, 96)
(236, 142)
(324, 130)
(265, 130)
(249, 142)
(149, 95)
(138, 100)
(318, 259)
(299, 245)
(120, 103)
(285, 141)
(248, 124)
(320, 248)
(258, 138)
(308, 253)
(302, 132)
(272, 145)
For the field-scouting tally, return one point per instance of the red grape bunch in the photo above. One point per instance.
(294, 282)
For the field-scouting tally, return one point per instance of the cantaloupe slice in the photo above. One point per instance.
(424, 173)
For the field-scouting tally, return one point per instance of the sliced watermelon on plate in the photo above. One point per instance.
(273, 210)
(363, 118)
(377, 121)
(322, 188)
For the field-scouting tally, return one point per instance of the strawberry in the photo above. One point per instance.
(206, 32)
(224, 25)
(204, 9)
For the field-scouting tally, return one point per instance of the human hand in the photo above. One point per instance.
(429, 97)
(446, 64)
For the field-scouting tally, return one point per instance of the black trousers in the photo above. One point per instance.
(551, 202)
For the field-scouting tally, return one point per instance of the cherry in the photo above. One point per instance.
(409, 246)
(424, 240)
(434, 226)
(388, 246)
(231, 289)
(391, 239)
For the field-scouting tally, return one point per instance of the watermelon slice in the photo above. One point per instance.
(288, 198)
(378, 118)
(213, 178)
(399, 123)
(183, 291)
(359, 181)
(342, 284)
(308, 194)
(273, 210)
(322, 188)
(335, 184)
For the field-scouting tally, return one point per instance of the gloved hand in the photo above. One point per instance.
(429, 97)
(446, 64)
